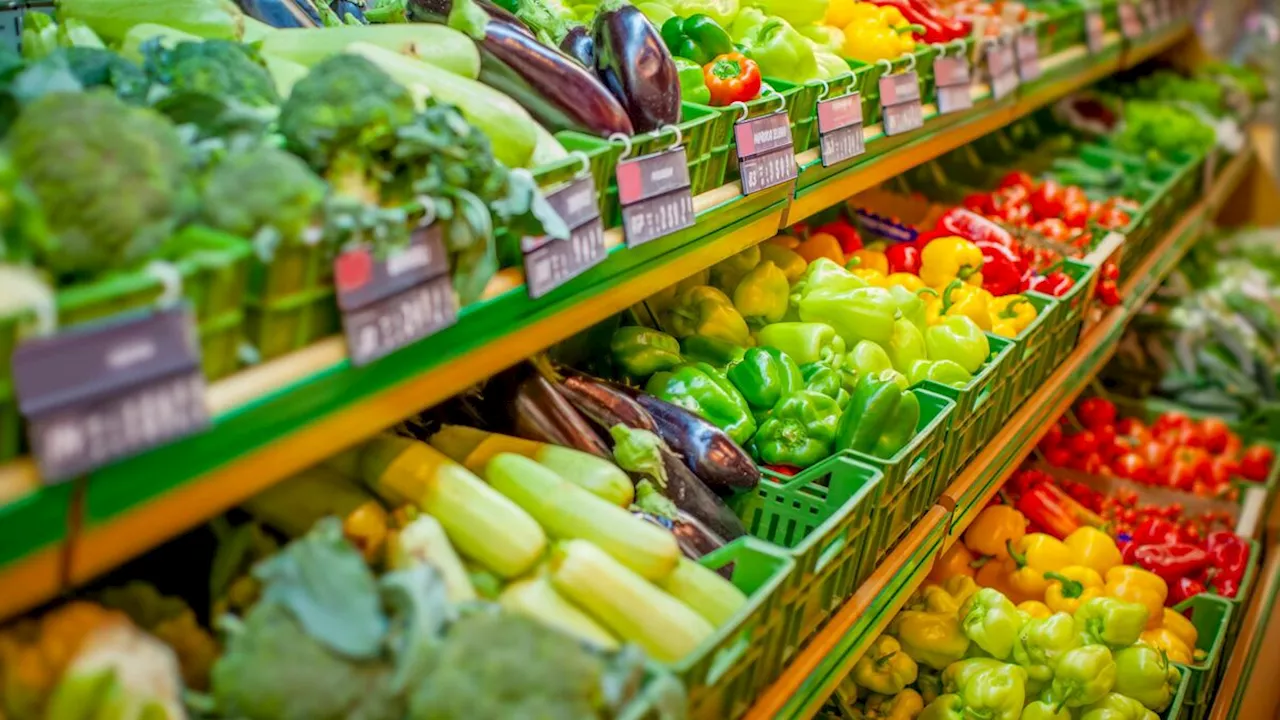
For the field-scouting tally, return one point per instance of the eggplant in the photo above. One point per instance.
(579, 45)
(343, 8)
(540, 413)
(693, 538)
(281, 13)
(635, 66)
(437, 11)
(605, 405)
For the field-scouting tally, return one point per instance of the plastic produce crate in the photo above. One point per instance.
(726, 673)
(785, 96)
(1031, 360)
(1071, 309)
(911, 481)
(290, 300)
(1178, 709)
(870, 89)
(1212, 617)
(823, 516)
(981, 407)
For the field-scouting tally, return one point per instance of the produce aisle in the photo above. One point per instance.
(833, 359)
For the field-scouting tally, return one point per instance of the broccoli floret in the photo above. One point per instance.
(81, 68)
(109, 178)
(342, 118)
(217, 68)
(263, 193)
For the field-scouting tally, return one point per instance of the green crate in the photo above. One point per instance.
(1212, 617)
(1242, 595)
(728, 670)
(1178, 709)
(911, 481)
(823, 516)
(1031, 361)
(1072, 306)
(981, 408)
(1062, 27)
(786, 96)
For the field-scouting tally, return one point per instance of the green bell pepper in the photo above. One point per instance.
(640, 351)
(943, 372)
(1144, 674)
(830, 64)
(991, 621)
(884, 668)
(958, 338)
(1084, 676)
(712, 351)
(823, 273)
(761, 295)
(910, 305)
(803, 342)
(697, 37)
(722, 11)
(979, 688)
(881, 418)
(1110, 621)
(693, 84)
(1115, 706)
(930, 638)
(728, 272)
(704, 310)
(799, 432)
(1041, 710)
(657, 13)
(776, 46)
(905, 346)
(788, 261)
(824, 36)
(1041, 643)
(797, 12)
(702, 390)
(857, 314)
(821, 378)
(867, 357)
(764, 377)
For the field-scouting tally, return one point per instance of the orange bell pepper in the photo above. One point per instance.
(820, 245)
(1136, 585)
(994, 528)
(956, 561)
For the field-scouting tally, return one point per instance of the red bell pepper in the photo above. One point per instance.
(1155, 531)
(903, 257)
(1043, 507)
(937, 27)
(1184, 588)
(1002, 268)
(1173, 561)
(845, 233)
(1056, 283)
(973, 227)
(1229, 555)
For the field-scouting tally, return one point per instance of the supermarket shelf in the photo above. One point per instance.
(1237, 696)
(814, 674)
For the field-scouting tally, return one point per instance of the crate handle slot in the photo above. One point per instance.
(983, 394)
(830, 552)
(729, 656)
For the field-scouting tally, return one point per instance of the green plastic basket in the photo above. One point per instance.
(1071, 309)
(786, 96)
(823, 516)
(911, 479)
(981, 408)
(290, 301)
(1031, 360)
(1061, 28)
(1178, 709)
(1212, 617)
(726, 673)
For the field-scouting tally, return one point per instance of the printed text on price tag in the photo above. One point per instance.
(840, 132)
(900, 103)
(951, 75)
(655, 195)
(550, 263)
(766, 156)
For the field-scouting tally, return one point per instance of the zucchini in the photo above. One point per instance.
(439, 45)
(625, 603)
(112, 19)
(475, 448)
(294, 504)
(567, 511)
(537, 599)
(423, 541)
(479, 521)
(704, 590)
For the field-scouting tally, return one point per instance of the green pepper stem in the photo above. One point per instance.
(1008, 311)
(903, 29)
(1070, 588)
(946, 295)
(926, 291)
(1019, 558)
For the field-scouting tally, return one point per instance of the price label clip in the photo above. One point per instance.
(1095, 29)
(550, 262)
(953, 78)
(900, 99)
(840, 130)
(1002, 70)
(1027, 49)
(766, 153)
(1130, 23)
(654, 190)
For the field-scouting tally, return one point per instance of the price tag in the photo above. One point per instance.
(388, 303)
(900, 100)
(766, 156)
(840, 132)
(655, 195)
(96, 394)
(1130, 24)
(1002, 69)
(1150, 18)
(951, 75)
(1095, 30)
(1028, 52)
(550, 263)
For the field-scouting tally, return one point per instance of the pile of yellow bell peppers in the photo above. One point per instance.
(871, 32)
(1044, 575)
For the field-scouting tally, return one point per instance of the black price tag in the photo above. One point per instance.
(655, 195)
(766, 156)
(1002, 69)
(1130, 23)
(1027, 48)
(1095, 30)
(840, 131)
(900, 103)
(101, 393)
(550, 263)
(388, 303)
(951, 75)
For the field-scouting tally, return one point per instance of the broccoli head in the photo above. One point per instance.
(265, 193)
(218, 68)
(342, 118)
(110, 180)
(81, 68)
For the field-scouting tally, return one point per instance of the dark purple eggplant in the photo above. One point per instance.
(281, 13)
(437, 11)
(579, 45)
(540, 413)
(693, 538)
(635, 65)
(708, 451)
(605, 405)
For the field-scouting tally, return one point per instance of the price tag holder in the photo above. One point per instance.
(952, 78)
(840, 131)
(1095, 30)
(655, 194)
(550, 263)
(100, 393)
(1002, 69)
(766, 155)
(900, 103)
(1027, 49)
(1130, 23)
(388, 303)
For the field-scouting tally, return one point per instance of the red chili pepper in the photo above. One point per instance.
(1043, 508)
(1183, 588)
(937, 29)
(1228, 554)
(1002, 268)
(1155, 531)
(904, 257)
(784, 469)
(1172, 561)
(1056, 283)
(843, 231)
(972, 226)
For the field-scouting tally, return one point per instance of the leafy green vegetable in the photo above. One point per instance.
(265, 194)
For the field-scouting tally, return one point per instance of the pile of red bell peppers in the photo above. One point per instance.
(1216, 563)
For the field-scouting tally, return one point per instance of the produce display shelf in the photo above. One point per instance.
(287, 414)
(831, 652)
(1238, 697)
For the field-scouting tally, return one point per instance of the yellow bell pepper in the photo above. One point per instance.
(1133, 584)
(995, 527)
(951, 258)
(873, 39)
(906, 280)
(1178, 624)
(787, 260)
(956, 561)
(1033, 556)
(961, 298)
(1035, 609)
(1070, 587)
(960, 587)
(995, 574)
(841, 13)
(906, 705)
(790, 242)
(884, 668)
(1093, 548)
(864, 258)
(1168, 642)
(820, 245)
(934, 639)
(873, 277)
(1010, 315)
